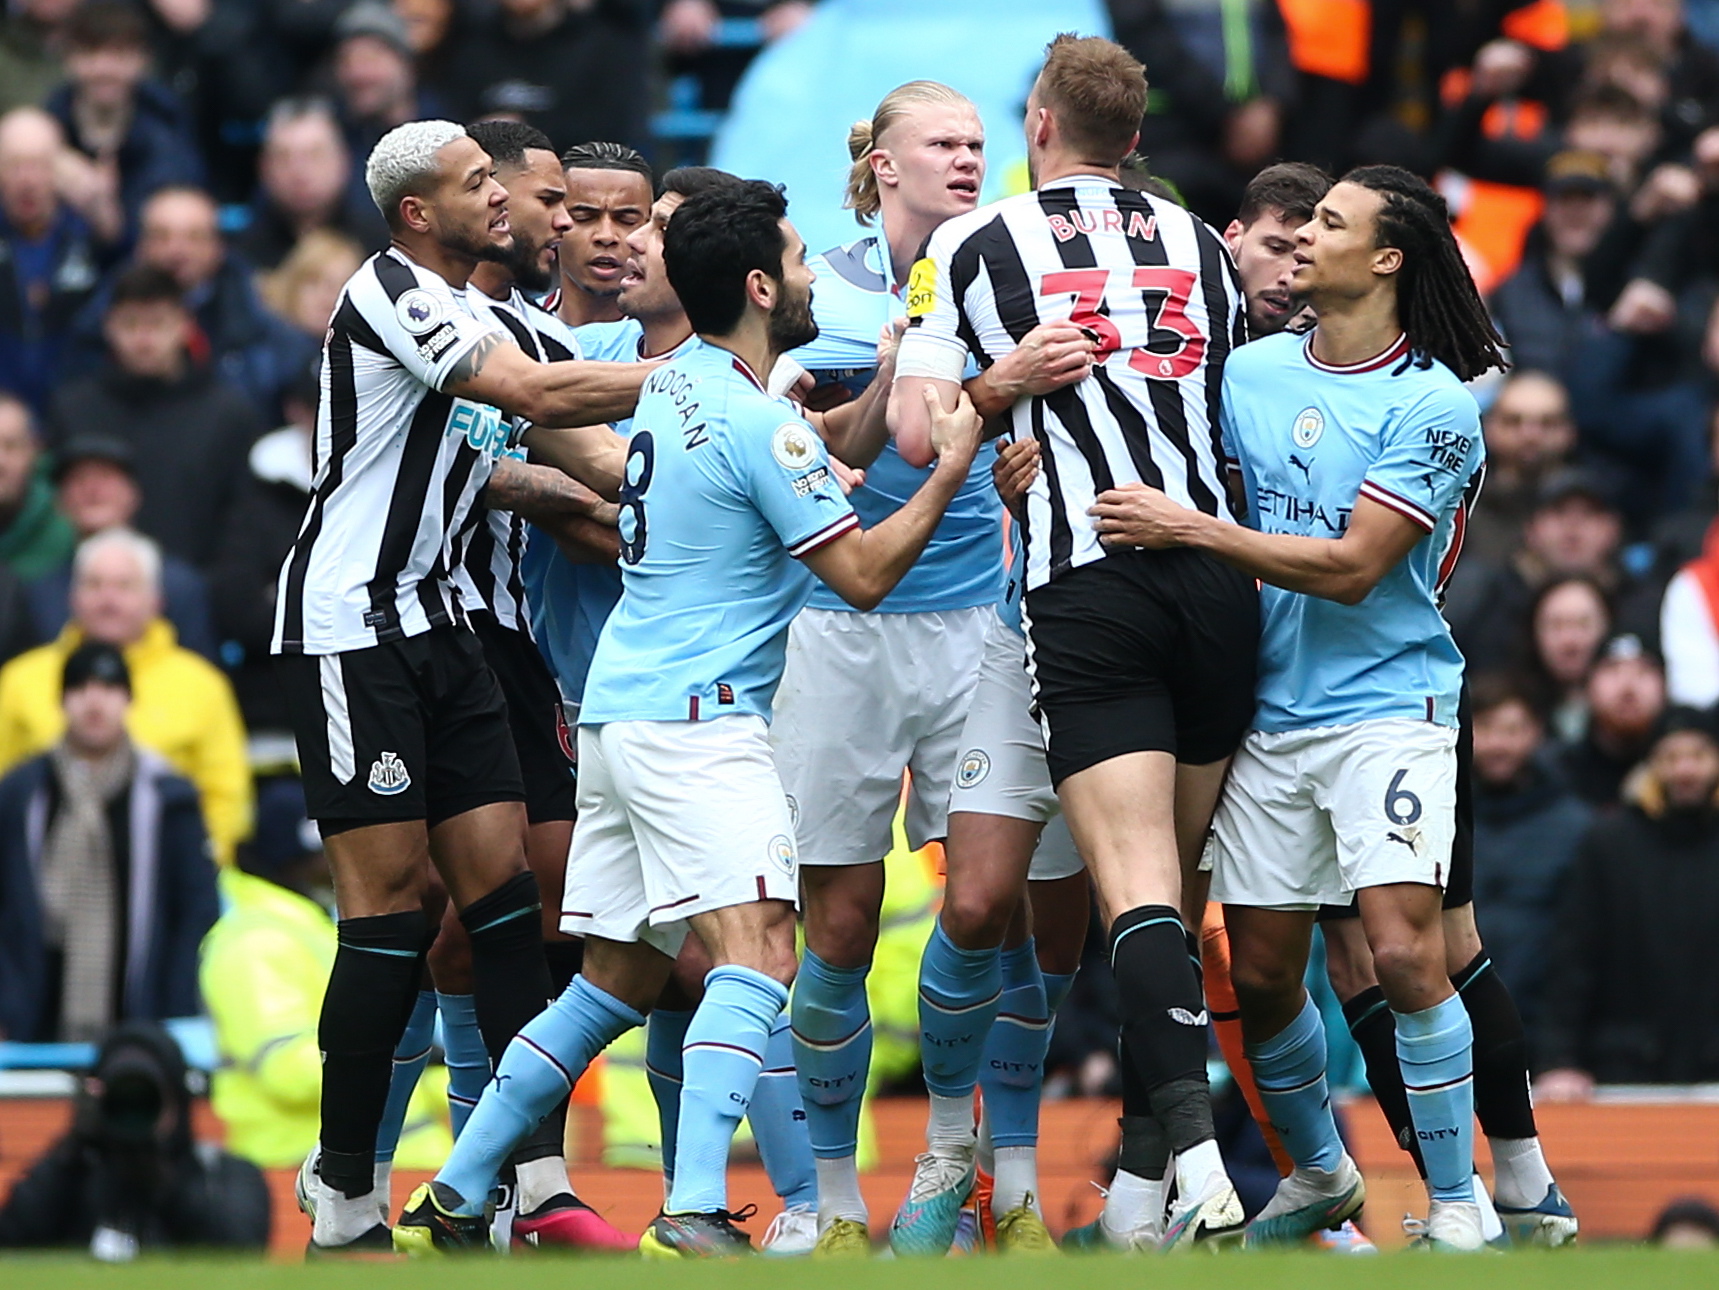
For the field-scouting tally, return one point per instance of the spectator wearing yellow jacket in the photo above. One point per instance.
(183, 707)
(264, 967)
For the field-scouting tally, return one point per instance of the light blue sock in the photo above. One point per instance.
(724, 1053)
(1057, 986)
(1012, 1069)
(541, 1065)
(411, 1055)
(1290, 1071)
(1435, 1048)
(832, 1052)
(665, 1036)
(959, 992)
(467, 1058)
(779, 1122)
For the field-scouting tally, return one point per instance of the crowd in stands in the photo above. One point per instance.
(181, 198)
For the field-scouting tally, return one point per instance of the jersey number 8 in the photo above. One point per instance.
(643, 449)
(1173, 345)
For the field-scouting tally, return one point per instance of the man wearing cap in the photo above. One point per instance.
(1634, 995)
(375, 72)
(184, 710)
(1626, 696)
(95, 487)
(106, 888)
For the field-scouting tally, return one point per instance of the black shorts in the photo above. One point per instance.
(541, 735)
(1459, 891)
(415, 729)
(1143, 651)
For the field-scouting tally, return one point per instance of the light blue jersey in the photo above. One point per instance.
(726, 487)
(1312, 438)
(852, 301)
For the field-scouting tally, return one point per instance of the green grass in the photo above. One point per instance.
(1601, 1269)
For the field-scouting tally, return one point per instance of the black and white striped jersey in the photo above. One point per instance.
(1157, 291)
(488, 570)
(399, 465)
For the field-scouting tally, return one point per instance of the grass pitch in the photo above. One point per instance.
(1600, 1269)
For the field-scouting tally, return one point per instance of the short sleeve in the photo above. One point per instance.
(427, 328)
(787, 475)
(932, 345)
(1428, 457)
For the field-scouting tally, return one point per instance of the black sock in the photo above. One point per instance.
(1501, 1099)
(1164, 1026)
(371, 990)
(510, 978)
(1375, 1033)
(1145, 1151)
(564, 959)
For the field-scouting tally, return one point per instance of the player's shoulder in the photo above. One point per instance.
(1435, 390)
(854, 264)
(609, 342)
(1267, 354)
(561, 341)
(952, 233)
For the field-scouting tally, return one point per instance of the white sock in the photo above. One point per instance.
(383, 1187)
(341, 1218)
(951, 1125)
(1519, 1171)
(540, 1180)
(1198, 1170)
(839, 1191)
(1015, 1177)
(1491, 1228)
(1133, 1203)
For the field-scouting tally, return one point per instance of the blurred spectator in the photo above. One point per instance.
(134, 131)
(34, 537)
(96, 479)
(1688, 1224)
(265, 966)
(687, 31)
(433, 34)
(29, 58)
(1527, 825)
(1529, 434)
(1574, 529)
(1569, 620)
(574, 70)
(306, 187)
(1689, 625)
(609, 190)
(1619, 127)
(129, 1176)
(1543, 308)
(266, 516)
(1221, 85)
(307, 286)
(104, 866)
(1691, 72)
(1626, 697)
(184, 708)
(187, 429)
(378, 85)
(50, 258)
(1637, 997)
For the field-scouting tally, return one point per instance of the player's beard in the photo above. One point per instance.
(792, 325)
(478, 244)
(526, 264)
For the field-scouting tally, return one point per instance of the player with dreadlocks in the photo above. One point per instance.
(1359, 450)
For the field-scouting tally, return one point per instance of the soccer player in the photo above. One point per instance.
(1142, 662)
(1360, 449)
(402, 731)
(609, 191)
(683, 824)
(867, 696)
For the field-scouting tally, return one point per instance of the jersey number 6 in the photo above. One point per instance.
(643, 449)
(1174, 345)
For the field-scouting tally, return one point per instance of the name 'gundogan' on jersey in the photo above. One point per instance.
(399, 465)
(1155, 289)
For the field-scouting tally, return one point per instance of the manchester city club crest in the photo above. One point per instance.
(974, 766)
(1309, 425)
(782, 853)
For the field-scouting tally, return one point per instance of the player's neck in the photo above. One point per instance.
(452, 267)
(1354, 330)
(904, 232)
(494, 280)
(664, 334)
(750, 343)
(579, 306)
(1055, 164)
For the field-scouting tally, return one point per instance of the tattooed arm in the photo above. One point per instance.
(574, 393)
(542, 494)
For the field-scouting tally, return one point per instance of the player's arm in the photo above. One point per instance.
(1050, 356)
(587, 540)
(863, 565)
(542, 494)
(1344, 569)
(855, 432)
(549, 395)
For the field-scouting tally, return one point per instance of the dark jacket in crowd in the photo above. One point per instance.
(1633, 990)
(130, 1168)
(270, 236)
(167, 881)
(158, 151)
(1596, 775)
(1525, 839)
(266, 516)
(184, 603)
(34, 335)
(188, 439)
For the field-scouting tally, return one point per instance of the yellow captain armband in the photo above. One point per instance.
(921, 287)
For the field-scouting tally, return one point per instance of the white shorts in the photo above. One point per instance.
(676, 818)
(1309, 817)
(863, 698)
(1002, 770)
